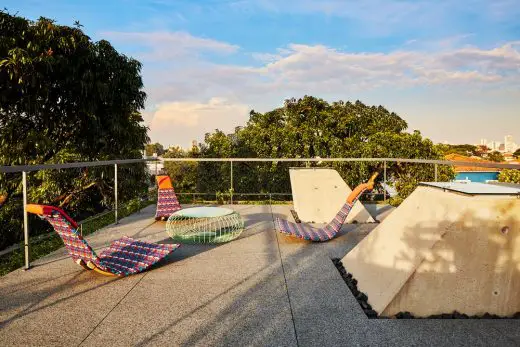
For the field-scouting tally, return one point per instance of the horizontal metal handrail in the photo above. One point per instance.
(235, 193)
(80, 164)
(395, 160)
(29, 168)
(24, 169)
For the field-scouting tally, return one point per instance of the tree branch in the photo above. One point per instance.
(65, 198)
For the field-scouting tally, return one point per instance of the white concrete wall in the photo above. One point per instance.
(442, 251)
(319, 194)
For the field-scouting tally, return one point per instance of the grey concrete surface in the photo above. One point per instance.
(263, 289)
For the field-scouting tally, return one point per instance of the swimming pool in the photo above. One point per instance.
(475, 176)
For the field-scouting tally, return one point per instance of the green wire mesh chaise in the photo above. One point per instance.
(204, 225)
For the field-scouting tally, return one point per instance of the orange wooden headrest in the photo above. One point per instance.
(360, 188)
(45, 210)
(164, 182)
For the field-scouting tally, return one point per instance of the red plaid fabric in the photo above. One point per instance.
(124, 257)
(167, 203)
(77, 247)
(307, 232)
(127, 256)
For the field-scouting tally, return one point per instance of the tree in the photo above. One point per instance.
(65, 98)
(466, 150)
(496, 156)
(156, 148)
(183, 174)
(311, 127)
(482, 150)
(509, 176)
(516, 154)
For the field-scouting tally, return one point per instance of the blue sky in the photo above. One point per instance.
(450, 68)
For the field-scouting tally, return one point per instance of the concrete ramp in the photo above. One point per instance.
(319, 193)
(442, 251)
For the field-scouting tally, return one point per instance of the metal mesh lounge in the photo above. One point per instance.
(204, 225)
(124, 257)
(307, 232)
(167, 202)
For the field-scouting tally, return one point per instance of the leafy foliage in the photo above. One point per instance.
(517, 153)
(156, 148)
(466, 150)
(183, 174)
(309, 128)
(509, 176)
(65, 98)
(496, 156)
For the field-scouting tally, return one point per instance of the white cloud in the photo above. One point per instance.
(320, 70)
(168, 45)
(315, 64)
(191, 95)
(180, 122)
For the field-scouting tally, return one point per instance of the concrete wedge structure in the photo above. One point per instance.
(319, 193)
(442, 251)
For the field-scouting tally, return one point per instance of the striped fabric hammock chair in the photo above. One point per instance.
(167, 202)
(124, 257)
(307, 232)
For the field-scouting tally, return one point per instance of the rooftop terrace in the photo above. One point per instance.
(262, 289)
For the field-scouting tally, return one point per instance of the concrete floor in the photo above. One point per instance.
(263, 289)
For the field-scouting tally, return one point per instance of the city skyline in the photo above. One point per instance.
(508, 145)
(450, 70)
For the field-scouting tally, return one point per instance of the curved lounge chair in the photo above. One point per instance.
(307, 232)
(124, 257)
(167, 202)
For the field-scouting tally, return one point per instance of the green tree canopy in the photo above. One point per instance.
(509, 176)
(312, 127)
(65, 98)
(496, 156)
(517, 153)
(466, 150)
(156, 148)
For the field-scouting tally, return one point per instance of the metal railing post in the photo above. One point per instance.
(25, 221)
(435, 172)
(115, 193)
(384, 181)
(231, 190)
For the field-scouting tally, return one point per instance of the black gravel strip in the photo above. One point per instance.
(362, 300)
(295, 216)
(351, 282)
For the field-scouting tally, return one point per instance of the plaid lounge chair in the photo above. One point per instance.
(167, 202)
(307, 232)
(124, 257)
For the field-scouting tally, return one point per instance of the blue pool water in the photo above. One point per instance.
(477, 176)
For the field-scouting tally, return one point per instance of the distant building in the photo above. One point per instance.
(509, 144)
(493, 145)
